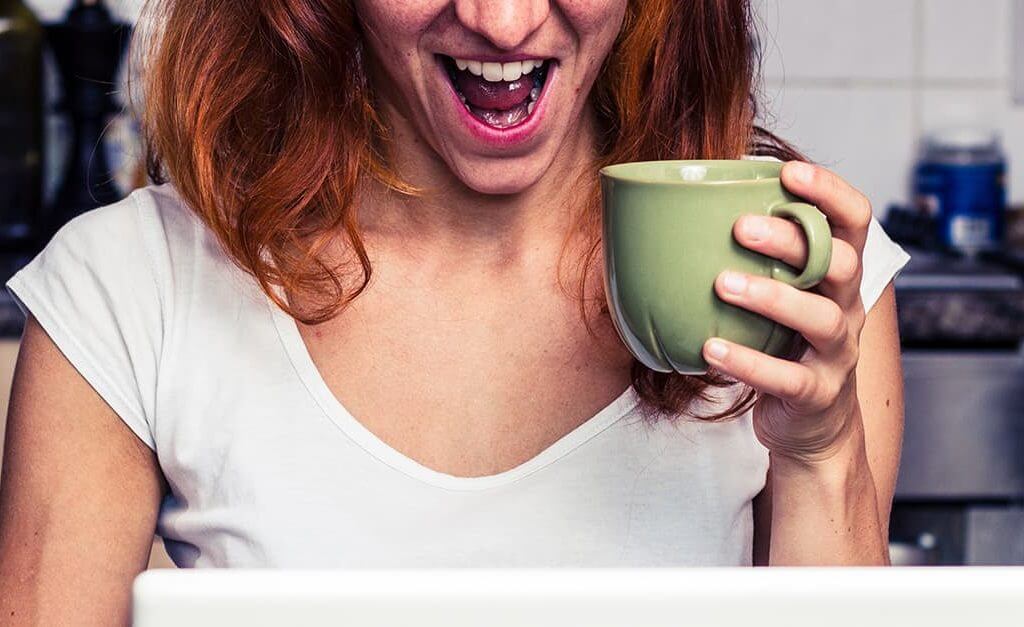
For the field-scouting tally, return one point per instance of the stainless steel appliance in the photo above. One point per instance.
(961, 481)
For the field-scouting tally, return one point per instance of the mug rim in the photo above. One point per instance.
(619, 172)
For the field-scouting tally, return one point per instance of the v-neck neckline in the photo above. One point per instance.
(309, 374)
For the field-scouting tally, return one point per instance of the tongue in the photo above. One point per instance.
(497, 96)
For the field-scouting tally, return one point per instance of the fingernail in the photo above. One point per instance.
(717, 350)
(803, 172)
(757, 229)
(734, 282)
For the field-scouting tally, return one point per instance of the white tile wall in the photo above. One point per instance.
(966, 40)
(1017, 52)
(855, 82)
(816, 39)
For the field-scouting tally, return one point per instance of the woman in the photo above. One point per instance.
(212, 357)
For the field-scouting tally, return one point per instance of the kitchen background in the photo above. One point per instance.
(856, 85)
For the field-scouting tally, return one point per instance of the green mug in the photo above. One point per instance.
(668, 233)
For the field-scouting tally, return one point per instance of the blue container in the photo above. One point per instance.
(960, 181)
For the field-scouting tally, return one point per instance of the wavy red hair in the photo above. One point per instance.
(260, 115)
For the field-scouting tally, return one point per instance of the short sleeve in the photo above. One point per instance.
(95, 292)
(881, 260)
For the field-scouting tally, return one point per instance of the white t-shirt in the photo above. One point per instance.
(267, 469)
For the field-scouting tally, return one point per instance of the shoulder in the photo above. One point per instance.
(114, 264)
(150, 241)
(151, 224)
(115, 289)
(138, 260)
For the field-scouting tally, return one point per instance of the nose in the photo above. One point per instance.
(505, 23)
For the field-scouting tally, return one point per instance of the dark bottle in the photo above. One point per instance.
(21, 126)
(88, 46)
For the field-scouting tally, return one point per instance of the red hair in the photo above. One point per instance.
(260, 115)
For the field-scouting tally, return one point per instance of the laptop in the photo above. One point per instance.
(762, 597)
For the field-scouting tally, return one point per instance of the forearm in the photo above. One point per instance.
(826, 512)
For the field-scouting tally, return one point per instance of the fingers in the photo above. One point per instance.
(776, 237)
(845, 268)
(847, 209)
(822, 321)
(789, 380)
(784, 240)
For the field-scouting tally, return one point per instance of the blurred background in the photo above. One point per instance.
(919, 103)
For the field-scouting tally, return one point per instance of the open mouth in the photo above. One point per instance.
(501, 95)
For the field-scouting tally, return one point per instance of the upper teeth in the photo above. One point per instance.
(494, 72)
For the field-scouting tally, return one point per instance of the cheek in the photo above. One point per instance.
(594, 17)
(395, 25)
(398, 15)
(597, 24)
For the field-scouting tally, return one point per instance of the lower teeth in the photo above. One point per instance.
(502, 119)
(507, 117)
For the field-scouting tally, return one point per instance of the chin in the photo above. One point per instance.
(499, 177)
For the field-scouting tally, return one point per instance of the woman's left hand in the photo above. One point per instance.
(806, 408)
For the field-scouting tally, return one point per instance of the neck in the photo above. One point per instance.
(485, 229)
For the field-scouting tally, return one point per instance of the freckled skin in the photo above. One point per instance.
(403, 37)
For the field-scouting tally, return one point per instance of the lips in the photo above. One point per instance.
(499, 95)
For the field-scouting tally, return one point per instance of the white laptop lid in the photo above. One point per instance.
(834, 597)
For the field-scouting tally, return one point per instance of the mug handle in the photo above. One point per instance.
(819, 245)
